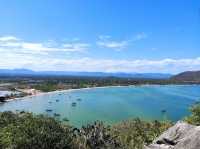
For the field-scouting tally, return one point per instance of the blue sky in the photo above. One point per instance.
(100, 35)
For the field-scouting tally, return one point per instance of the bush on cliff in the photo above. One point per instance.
(134, 134)
(194, 118)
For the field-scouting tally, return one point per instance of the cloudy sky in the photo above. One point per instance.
(100, 35)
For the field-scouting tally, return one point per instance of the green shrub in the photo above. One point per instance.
(134, 134)
(46, 87)
(194, 118)
(95, 136)
(26, 131)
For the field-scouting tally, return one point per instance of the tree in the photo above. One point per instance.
(194, 118)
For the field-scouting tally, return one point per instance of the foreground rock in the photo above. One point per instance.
(181, 136)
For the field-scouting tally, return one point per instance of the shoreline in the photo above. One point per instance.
(60, 91)
(88, 88)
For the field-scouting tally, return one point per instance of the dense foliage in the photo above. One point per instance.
(96, 136)
(46, 87)
(25, 131)
(194, 118)
(28, 131)
(134, 134)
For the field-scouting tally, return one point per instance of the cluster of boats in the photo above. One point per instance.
(73, 104)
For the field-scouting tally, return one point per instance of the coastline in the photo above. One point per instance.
(88, 88)
(60, 91)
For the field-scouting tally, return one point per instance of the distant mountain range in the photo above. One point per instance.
(27, 72)
(187, 76)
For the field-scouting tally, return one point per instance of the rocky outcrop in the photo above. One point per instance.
(181, 136)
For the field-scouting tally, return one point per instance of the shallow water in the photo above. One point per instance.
(112, 104)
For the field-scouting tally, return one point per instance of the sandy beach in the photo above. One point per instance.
(60, 91)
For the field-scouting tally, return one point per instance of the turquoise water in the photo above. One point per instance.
(112, 104)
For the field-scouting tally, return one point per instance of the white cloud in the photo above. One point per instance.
(76, 46)
(14, 45)
(17, 53)
(106, 41)
(103, 37)
(103, 65)
(117, 45)
(8, 38)
(140, 36)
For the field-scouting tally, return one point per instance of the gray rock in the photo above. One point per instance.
(159, 146)
(180, 136)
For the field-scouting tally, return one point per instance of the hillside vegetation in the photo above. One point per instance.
(28, 131)
(188, 76)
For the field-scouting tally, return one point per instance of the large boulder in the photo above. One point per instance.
(181, 136)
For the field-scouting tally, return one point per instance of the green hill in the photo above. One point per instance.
(189, 76)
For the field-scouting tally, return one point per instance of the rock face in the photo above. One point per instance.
(180, 136)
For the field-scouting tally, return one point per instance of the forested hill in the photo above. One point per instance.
(188, 76)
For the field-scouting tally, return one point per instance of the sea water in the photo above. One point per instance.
(112, 104)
